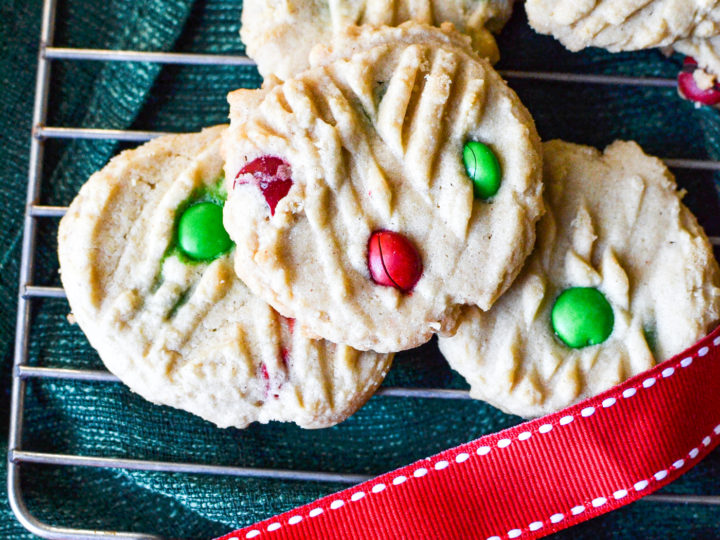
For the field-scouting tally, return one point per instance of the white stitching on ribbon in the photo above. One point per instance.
(501, 443)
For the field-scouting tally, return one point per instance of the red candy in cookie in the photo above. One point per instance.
(271, 174)
(393, 261)
(689, 89)
(277, 380)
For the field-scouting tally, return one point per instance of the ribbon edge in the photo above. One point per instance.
(641, 381)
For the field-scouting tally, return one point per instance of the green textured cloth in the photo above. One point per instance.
(105, 419)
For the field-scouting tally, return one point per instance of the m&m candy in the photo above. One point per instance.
(200, 234)
(688, 85)
(393, 261)
(272, 175)
(582, 316)
(483, 168)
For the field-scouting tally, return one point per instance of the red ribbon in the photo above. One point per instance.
(538, 477)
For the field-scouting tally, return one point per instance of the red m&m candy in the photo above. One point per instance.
(393, 261)
(271, 174)
(689, 89)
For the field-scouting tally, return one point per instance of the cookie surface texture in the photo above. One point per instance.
(380, 237)
(623, 25)
(619, 262)
(279, 34)
(148, 272)
(706, 52)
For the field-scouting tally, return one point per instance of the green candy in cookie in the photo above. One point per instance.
(201, 235)
(582, 316)
(483, 168)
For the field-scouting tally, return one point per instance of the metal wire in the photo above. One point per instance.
(97, 134)
(142, 56)
(27, 291)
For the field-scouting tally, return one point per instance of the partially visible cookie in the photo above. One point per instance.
(147, 268)
(375, 193)
(706, 53)
(624, 25)
(279, 34)
(622, 277)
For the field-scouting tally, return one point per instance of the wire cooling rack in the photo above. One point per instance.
(17, 455)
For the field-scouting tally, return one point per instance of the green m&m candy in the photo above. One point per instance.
(201, 235)
(582, 316)
(483, 168)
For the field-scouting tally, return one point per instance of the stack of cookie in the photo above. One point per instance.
(383, 189)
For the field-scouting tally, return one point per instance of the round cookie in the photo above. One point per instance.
(148, 271)
(623, 25)
(365, 147)
(279, 35)
(622, 277)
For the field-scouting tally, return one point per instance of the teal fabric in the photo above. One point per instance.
(104, 419)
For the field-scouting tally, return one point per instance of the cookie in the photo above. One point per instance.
(278, 34)
(147, 268)
(624, 25)
(706, 53)
(622, 277)
(376, 192)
